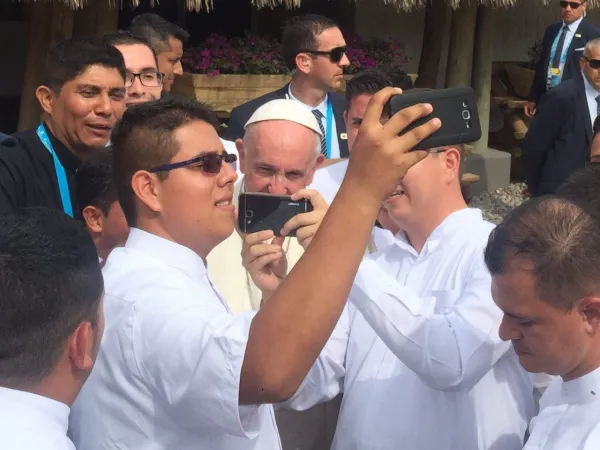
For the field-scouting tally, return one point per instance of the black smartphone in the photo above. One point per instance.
(455, 107)
(259, 211)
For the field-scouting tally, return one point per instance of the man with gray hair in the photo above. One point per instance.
(560, 135)
(279, 154)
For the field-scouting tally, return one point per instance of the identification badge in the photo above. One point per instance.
(343, 136)
(577, 35)
(555, 71)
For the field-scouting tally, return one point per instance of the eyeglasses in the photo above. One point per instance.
(210, 163)
(148, 79)
(594, 63)
(573, 5)
(335, 54)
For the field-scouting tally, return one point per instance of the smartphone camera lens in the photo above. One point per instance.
(466, 114)
(249, 213)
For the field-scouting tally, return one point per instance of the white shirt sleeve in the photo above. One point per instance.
(193, 361)
(450, 339)
(325, 379)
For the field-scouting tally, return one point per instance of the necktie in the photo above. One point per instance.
(597, 108)
(559, 48)
(319, 116)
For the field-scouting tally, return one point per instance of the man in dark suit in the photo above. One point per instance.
(561, 49)
(315, 50)
(558, 141)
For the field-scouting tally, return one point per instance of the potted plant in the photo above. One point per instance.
(225, 72)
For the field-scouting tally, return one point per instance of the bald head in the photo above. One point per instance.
(279, 156)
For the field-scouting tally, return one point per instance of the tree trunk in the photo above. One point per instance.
(460, 51)
(96, 18)
(48, 23)
(433, 40)
(482, 71)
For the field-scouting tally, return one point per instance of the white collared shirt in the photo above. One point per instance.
(32, 422)
(417, 352)
(590, 94)
(322, 107)
(569, 416)
(168, 371)
(572, 28)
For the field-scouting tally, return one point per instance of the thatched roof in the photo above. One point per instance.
(401, 5)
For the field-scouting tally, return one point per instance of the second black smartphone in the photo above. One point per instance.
(455, 107)
(258, 211)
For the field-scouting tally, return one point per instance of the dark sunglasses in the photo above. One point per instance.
(594, 63)
(335, 54)
(573, 5)
(210, 163)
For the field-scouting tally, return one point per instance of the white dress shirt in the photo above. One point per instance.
(590, 94)
(168, 371)
(322, 107)
(417, 351)
(572, 28)
(32, 422)
(569, 416)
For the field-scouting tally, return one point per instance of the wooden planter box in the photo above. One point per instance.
(224, 92)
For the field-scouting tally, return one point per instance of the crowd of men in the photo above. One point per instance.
(134, 315)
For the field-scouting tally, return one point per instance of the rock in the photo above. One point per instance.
(496, 205)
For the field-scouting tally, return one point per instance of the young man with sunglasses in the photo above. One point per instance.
(176, 368)
(314, 50)
(559, 138)
(562, 45)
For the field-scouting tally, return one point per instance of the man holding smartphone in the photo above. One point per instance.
(417, 346)
(176, 368)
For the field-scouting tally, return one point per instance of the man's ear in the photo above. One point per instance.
(239, 144)
(146, 187)
(45, 96)
(589, 308)
(94, 219)
(452, 160)
(303, 63)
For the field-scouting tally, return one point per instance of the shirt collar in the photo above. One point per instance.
(455, 221)
(573, 27)
(52, 412)
(169, 252)
(67, 158)
(321, 106)
(581, 389)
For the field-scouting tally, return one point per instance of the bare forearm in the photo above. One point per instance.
(290, 330)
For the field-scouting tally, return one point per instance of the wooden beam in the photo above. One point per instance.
(49, 23)
(482, 71)
(433, 40)
(460, 51)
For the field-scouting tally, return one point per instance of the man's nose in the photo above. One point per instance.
(178, 69)
(136, 89)
(278, 187)
(506, 331)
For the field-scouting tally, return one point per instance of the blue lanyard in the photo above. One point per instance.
(61, 175)
(329, 129)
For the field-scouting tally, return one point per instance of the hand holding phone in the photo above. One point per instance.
(259, 211)
(455, 107)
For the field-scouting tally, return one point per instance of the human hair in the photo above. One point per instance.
(50, 282)
(123, 37)
(559, 239)
(371, 81)
(95, 185)
(68, 59)
(157, 31)
(583, 186)
(300, 33)
(145, 138)
(587, 50)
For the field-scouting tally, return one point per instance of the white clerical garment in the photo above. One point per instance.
(32, 422)
(168, 371)
(569, 417)
(417, 352)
